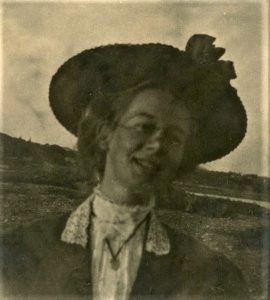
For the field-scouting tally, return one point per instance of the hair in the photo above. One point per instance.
(108, 109)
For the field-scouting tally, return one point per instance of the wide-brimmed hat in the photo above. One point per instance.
(196, 72)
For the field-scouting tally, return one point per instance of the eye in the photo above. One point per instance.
(174, 140)
(176, 143)
(143, 127)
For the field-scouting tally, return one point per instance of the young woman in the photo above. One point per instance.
(144, 115)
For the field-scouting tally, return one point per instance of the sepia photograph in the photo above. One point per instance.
(134, 150)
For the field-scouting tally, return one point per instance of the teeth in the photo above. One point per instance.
(146, 164)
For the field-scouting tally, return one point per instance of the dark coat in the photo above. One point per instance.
(36, 262)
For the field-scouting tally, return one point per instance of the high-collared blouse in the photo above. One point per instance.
(124, 228)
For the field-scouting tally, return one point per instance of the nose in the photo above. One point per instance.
(154, 142)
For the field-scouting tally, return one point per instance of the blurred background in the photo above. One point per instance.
(38, 37)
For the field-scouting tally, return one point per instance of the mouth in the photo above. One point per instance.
(148, 166)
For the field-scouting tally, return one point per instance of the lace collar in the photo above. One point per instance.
(76, 230)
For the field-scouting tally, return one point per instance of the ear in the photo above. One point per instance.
(103, 135)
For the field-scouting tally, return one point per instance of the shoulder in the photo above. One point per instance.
(48, 229)
(205, 271)
(24, 246)
(27, 250)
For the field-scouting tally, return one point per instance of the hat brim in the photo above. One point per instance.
(114, 68)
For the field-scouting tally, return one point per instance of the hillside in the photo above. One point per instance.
(40, 180)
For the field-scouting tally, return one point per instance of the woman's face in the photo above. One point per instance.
(146, 147)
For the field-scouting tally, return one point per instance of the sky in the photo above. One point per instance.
(40, 36)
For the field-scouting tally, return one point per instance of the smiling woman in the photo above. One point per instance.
(143, 114)
(146, 147)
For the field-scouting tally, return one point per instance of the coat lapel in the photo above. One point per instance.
(77, 280)
(76, 235)
(154, 271)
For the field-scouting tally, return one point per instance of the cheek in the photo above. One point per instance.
(121, 143)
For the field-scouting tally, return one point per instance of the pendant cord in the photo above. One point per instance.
(114, 256)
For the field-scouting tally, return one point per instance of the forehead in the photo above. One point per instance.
(159, 105)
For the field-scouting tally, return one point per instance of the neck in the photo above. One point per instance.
(123, 195)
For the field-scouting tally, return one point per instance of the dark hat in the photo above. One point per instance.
(196, 72)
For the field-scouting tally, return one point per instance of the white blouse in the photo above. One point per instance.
(116, 224)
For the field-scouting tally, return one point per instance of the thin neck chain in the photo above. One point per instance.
(115, 256)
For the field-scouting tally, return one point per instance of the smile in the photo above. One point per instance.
(146, 164)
